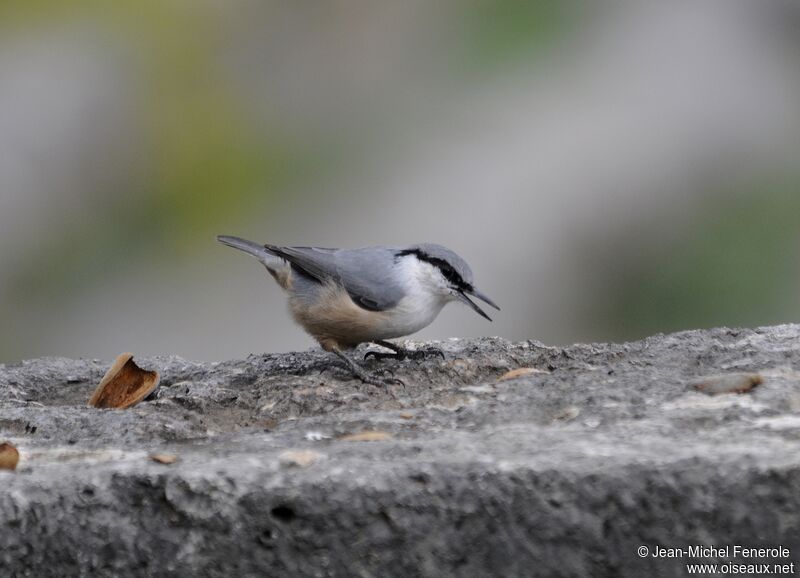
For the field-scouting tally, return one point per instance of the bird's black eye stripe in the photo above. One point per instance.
(449, 273)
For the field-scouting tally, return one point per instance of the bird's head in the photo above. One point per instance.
(451, 275)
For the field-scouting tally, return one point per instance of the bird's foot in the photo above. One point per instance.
(377, 378)
(401, 353)
(366, 377)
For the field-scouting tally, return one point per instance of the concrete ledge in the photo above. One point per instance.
(563, 471)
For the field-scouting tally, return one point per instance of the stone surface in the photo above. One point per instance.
(563, 471)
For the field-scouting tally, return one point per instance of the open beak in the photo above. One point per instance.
(461, 295)
(483, 297)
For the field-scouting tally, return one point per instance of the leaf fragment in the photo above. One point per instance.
(125, 384)
(165, 459)
(519, 372)
(367, 436)
(299, 458)
(9, 456)
(728, 383)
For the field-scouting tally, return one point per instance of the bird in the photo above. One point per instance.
(346, 297)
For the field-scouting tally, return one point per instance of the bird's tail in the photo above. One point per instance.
(260, 252)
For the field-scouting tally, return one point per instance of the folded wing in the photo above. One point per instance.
(366, 274)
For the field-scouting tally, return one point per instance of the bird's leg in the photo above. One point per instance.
(363, 375)
(401, 353)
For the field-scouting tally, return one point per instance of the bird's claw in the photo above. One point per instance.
(427, 352)
(391, 380)
(372, 379)
(395, 381)
(386, 382)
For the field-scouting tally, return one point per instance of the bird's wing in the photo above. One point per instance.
(366, 274)
(315, 262)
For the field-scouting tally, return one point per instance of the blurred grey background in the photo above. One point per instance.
(609, 169)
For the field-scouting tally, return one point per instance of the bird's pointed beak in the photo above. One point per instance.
(462, 297)
(482, 296)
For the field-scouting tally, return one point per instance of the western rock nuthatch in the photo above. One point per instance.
(344, 297)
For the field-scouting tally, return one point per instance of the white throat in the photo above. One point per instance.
(426, 294)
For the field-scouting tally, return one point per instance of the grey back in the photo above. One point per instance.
(367, 274)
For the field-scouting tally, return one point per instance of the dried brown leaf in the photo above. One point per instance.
(729, 383)
(519, 372)
(367, 436)
(164, 458)
(124, 384)
(9, 456)
(299, 458)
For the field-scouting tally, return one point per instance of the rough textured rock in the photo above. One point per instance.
(564, 471)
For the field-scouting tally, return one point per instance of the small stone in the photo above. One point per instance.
(406, 415)
(567, 413)
(479, 388)
(268, 424)
(729, 383)
(268, 406)
(592, 422)
(316, 436)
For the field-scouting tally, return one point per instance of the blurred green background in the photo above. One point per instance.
(609, 169)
